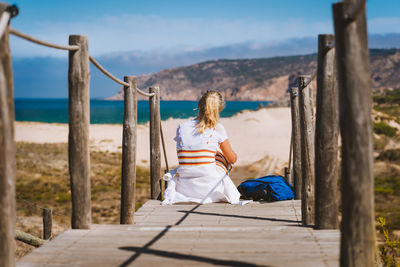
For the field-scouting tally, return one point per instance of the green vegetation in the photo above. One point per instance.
(387, 196)
(386, 168)
(389, 97)
(385, 129)
(388, 102)
(392, 155)
(390, 249)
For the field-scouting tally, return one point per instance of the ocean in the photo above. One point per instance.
(104, 111)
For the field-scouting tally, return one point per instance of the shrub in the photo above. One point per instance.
(388, 183)
(388, 97)
(390, 155)
(388, 251)
(385, 129)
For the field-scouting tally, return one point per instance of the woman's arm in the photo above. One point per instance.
(229, 154)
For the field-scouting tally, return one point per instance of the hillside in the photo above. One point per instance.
(257, 79)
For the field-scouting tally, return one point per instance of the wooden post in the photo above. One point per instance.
(7, 153)
(357, 247)
(296, 139)
(78, 138)
(28, 239)
(287, 175)
(326, 137)
(155, 152)
(307, 152)
(129, 141)
(47, 223)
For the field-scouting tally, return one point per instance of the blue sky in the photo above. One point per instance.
(176, 25)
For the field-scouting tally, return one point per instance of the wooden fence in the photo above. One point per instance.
(343, 95)
(78, 139)
(314, 140)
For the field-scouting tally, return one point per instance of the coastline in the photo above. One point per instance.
(254, 135)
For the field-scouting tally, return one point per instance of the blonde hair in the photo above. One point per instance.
(210, 105)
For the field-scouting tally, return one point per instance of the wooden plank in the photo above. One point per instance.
(307, 151)
(294, 105)
(358, 228)
(7, 153)
(155, 151)
(78, 137)
(129, 141)
(212, 234)
(326, 137)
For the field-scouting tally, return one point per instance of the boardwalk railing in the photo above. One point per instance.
(78, 138)
(343, 90)
(314, 141)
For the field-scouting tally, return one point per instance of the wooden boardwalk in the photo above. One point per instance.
(257, 234)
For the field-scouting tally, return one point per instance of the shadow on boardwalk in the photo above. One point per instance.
(145, 249)
(257, 234)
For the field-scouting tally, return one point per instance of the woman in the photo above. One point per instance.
(205, 156)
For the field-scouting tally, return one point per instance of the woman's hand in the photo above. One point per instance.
(229, 154)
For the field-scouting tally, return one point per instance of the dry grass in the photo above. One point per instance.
(43, 181)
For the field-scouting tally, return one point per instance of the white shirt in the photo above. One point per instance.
(187, 136)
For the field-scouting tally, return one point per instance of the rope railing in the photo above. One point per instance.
(310, 79)
(314, 75)
(44, 43)
(4, 21)
(144, 93)
(109, 75)
(358, 7)
(331, 45)
(115, 79)
(163, 146)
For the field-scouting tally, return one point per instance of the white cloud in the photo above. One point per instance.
(146, 33)
(384, 25)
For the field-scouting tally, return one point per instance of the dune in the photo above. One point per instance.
(254, 135)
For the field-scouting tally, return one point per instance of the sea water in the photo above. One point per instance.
(104, 111)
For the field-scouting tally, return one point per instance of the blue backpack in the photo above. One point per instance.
(269, 188)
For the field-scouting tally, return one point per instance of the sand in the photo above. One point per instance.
(254, 135)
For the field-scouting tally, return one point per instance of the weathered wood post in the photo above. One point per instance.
(78, 137)
(296, 139)
(129, 141)
(307, 151)
(47, 223)
(287, 175)
(155, 152)
(326, 137)
(357, 247)
(7, 152)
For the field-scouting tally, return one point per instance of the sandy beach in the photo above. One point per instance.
(254, 135)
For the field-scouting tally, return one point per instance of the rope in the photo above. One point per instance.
(164, 150)
(310, 79)
(356, 10)
(115, 79)
(5, 18)
(103, 70)
(40, 42)
(144, 93)
(68, 47)
(290, 151)
(331, 45)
